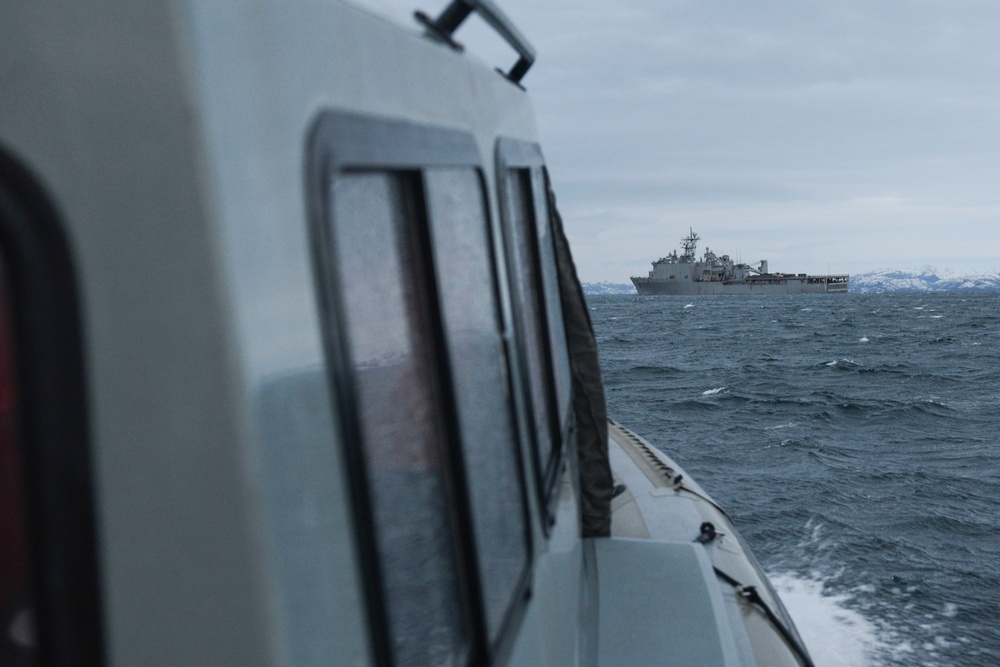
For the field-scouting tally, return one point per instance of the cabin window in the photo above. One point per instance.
(50, 612)
(553, 301)
(399, 412)
(471, 316)
(418, 361)
(526, 280)
(538, 308)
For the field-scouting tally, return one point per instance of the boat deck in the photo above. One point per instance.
(663, 510)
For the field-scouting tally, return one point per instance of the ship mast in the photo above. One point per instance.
(689, 243)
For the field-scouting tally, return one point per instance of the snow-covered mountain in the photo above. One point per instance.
(608, 288)
(927, 279)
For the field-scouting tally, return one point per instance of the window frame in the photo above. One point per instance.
(516, 154)
(53, 418)
(342, 142)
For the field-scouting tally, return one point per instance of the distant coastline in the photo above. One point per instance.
(884, 280)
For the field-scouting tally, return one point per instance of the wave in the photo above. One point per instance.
(696, 405)
(791, 424)
(835, 634)
(848, 617)
(643, 370)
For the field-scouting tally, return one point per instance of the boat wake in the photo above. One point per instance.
(840, 629)
(835, 634)
(853, 626)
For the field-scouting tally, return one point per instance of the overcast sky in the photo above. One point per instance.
(843, 136)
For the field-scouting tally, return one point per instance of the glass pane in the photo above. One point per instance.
(553, 303)
(464, 268)
(396, 388)
(526, 283)
(17, 616)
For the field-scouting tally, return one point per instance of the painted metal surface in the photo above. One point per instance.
(674, 508)
(719, 274)
(640, 628)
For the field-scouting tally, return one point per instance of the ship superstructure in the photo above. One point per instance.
(684, 273)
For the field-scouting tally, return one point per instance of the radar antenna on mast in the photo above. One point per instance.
(689, 243)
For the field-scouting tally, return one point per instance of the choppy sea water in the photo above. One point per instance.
(855, 439)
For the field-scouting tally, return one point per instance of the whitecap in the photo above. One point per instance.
(712, 391)
(690, 305)
(936, 317)
(832, 363)
(835, 635)
(863, 339)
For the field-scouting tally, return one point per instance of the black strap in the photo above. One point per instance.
(750, 594)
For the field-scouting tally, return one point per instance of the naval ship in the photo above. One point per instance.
(295, 368)
(719, 274)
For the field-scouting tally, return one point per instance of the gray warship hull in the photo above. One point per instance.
(787, 285)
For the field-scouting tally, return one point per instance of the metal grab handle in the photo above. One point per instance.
(445, 25)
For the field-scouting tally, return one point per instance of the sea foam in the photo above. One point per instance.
(834, 634)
